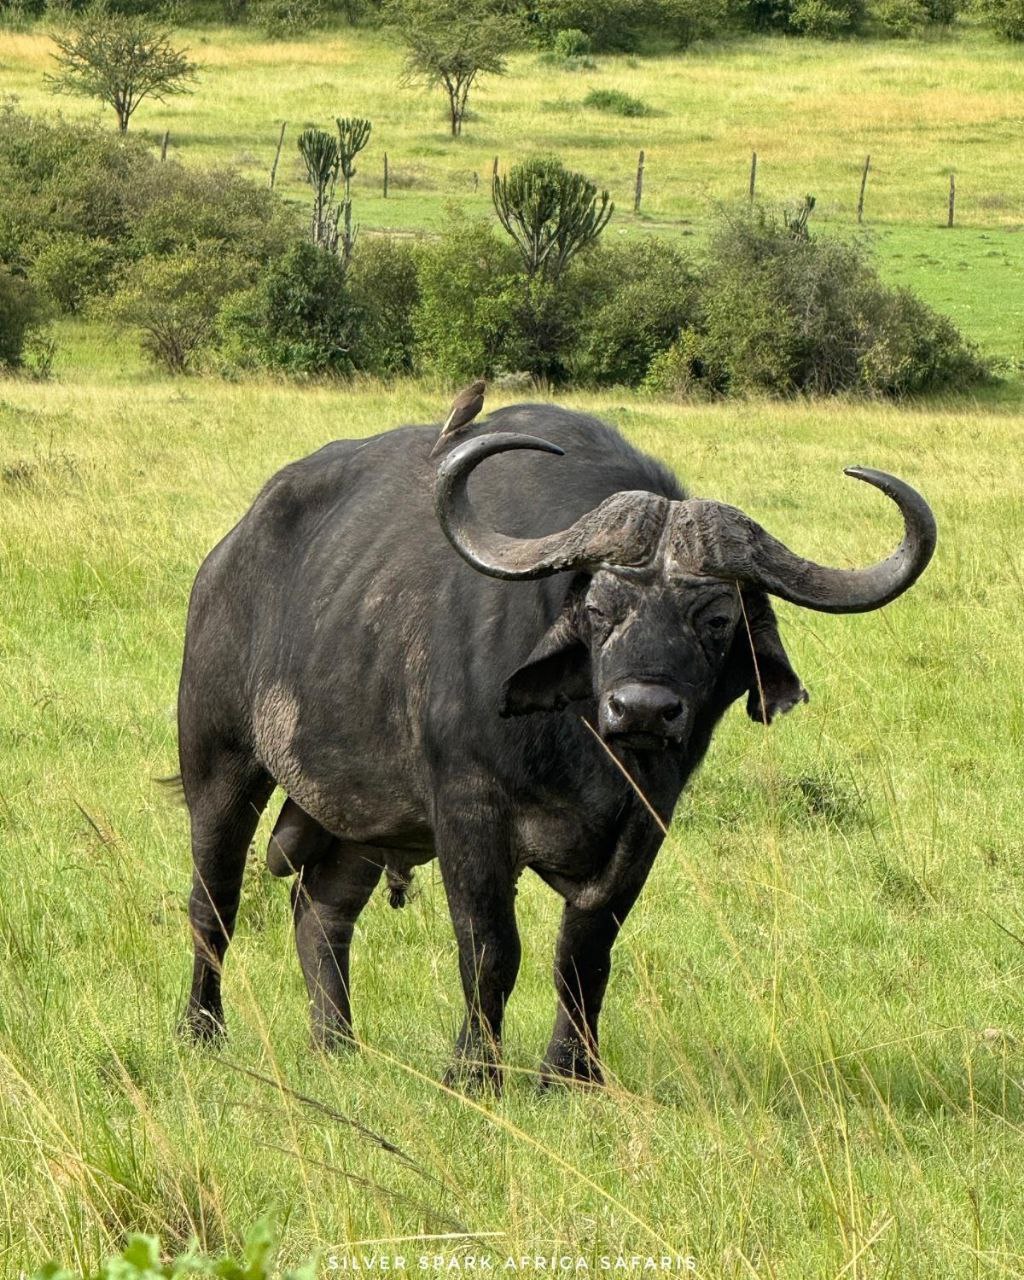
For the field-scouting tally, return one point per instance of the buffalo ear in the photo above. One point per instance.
(769, 671)
(557, 672)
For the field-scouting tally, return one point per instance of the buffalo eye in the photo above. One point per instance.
(719, 624)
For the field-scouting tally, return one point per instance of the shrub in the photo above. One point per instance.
(899, 18)
(823, 18)
(640, 297)
(469, 285)
(616, 103)
(56, 178)
(59, 181)
(625, 25)
(169, 208)
(1006, 17)
(385, 292)
(298, 319)
(141, 1260)
(826, 18)
(571, 43)
(174, 302)
(783, 314)
(20, 315)
(286, 19)
(70, 268)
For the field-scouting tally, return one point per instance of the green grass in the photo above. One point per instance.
(813, 1027)
(812, 110)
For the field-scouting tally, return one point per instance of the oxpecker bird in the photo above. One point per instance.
(465, 407)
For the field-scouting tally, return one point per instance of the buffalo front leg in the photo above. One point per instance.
(583, 963)
(326, 900)
(481, 898)
(224, 807)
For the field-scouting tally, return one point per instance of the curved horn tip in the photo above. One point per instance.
(880, 479)
(495, 442)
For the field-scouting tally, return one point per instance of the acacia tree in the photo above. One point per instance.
(120, 59)
(449, 43)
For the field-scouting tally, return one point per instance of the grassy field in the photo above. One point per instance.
(813, 1027)
(812, 111)
(814, 1024)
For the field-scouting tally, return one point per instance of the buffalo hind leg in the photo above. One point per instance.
(481, 899)
(224, 808)
(327, 898)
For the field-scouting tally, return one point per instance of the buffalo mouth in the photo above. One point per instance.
(638, 740)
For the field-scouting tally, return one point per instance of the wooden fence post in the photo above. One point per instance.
(753, 175)
(639, 192)
(277, 154)
(863, 185)
(385, 175)
(163, 146)
(952, 197)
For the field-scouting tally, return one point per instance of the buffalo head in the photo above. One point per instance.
(669, 608)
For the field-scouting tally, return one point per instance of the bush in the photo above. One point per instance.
(826, 18)
(298, 319)
(783, 314)
(1006, 17)
(465, 320)
(616, 102)
(57, 178)
(385, 292)
(571, 43)
(20, 315)
(174, 301)
(170, 207)
(87, 201)
(635, 301)
(899, 18)
(141, 1260)
(69, 269)
(285, 19)
(625, 25)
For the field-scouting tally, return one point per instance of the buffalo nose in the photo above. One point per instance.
(642, 708)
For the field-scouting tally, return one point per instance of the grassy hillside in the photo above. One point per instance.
(812, 111)
(813, 1027)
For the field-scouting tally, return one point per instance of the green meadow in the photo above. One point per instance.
(813, 1031)
(812, 110)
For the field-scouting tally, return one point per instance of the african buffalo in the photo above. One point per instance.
(422, 685)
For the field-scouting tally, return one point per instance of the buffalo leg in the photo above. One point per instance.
(327, 899)
(583, 962)
(481, 899)
(224, 808)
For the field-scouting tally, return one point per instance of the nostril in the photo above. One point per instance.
(672, 711)
(615, 705)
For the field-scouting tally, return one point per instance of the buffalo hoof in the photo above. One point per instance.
(333, 1041)
(571, 1064)
(474, 1077)
(202, 1026)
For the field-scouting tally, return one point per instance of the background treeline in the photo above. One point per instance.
(576, 28)
(217, 274)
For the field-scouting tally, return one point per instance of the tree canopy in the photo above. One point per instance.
(120, 59)
(449, 43)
